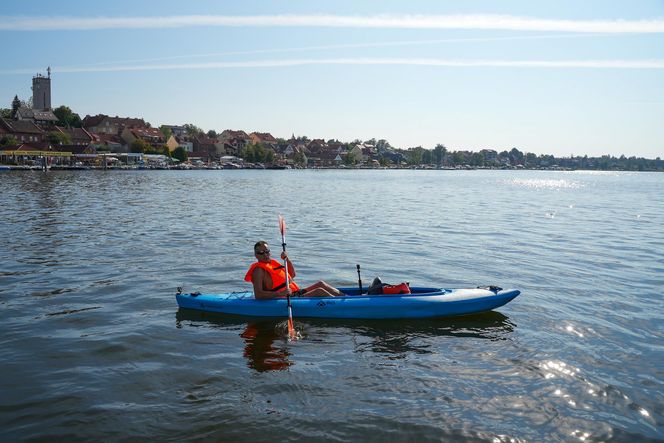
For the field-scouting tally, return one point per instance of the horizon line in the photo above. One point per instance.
(379, 21)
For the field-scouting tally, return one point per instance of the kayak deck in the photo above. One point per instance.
(421, 303)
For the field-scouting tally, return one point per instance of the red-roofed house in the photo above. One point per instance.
(327, 157)
(22, 130)
(78, 136)
(108, 142)
(264, 138)
(212, 146)
(316, 146)
(41, 117)
(152, 136)
(111, 125)
(236, 140)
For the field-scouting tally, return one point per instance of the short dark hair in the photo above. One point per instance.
(259, 244)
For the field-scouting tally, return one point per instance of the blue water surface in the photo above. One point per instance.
(94, 348)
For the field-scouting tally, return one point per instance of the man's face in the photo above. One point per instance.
(262, 253)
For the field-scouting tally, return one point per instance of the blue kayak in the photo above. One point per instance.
(421, 303)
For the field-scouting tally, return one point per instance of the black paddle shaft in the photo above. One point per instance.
(359, 278)
(288, 294)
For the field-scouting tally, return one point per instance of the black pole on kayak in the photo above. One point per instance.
(291, 328)
(359, 278)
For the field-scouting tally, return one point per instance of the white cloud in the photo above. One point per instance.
(500, 22)
(450, 63)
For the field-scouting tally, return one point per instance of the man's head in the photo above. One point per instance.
(262, 251)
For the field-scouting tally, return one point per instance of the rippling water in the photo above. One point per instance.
(93, 346)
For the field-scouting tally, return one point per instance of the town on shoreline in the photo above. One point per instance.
(33, 135)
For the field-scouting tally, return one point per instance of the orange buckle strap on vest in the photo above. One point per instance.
(282, 285)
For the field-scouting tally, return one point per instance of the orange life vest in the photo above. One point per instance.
(277, 274)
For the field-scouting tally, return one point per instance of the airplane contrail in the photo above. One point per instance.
(382, 21)
(351, 46)
(450, 63)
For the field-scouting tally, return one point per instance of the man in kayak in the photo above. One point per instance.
(269, 277)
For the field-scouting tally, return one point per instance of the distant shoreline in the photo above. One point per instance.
(339, 168)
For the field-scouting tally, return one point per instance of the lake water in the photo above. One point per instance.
(93, 346)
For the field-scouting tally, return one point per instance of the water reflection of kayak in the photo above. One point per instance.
(260, 350)
(420, 303)
(265, 339)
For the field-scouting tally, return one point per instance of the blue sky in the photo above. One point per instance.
(554, 77)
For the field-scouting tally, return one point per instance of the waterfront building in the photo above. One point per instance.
(104, 124)
(108, 142)
(178, 131)
(77, 136)
(213, 147)
(185, 144)
(41, 117)
(24, 131)
(152, 136)
(264, 138)
(236, 139)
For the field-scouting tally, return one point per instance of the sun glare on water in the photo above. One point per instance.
(545, 184)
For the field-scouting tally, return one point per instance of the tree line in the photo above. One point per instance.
(487, 158)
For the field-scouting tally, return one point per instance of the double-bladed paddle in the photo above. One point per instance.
(291, 329)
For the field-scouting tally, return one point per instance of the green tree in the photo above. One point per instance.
(477, 159)
(58, 138)
(349, 159)
(192, 130)
(66, 117)
(259, 153)
(516, 157)
(299, 158)
(166, 130)
(6, 113)
(16, 103)
(383, 144)
(8, 140)
(212, 133)
(139, 146)
(415, 155)
(458, 158)
(248, 153)
(181, 154)
(439, 153)
(427, 157)
(547, 160)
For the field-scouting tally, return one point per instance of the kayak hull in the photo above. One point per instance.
(422, 303)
